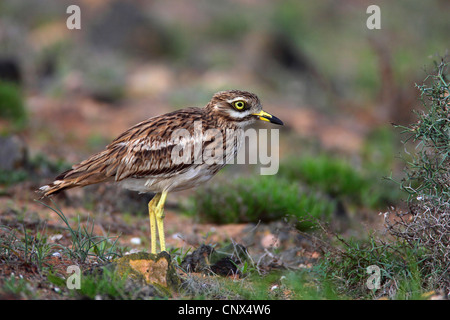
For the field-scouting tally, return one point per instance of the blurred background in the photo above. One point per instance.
(330, 77)
(337, 85)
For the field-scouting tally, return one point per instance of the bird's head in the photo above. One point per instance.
(239, 107)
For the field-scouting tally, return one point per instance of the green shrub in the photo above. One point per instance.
(331, 175)
(11, 104)
(427, 221)
(339, 179)
(346, 268)
(8, 177)
(264, 198)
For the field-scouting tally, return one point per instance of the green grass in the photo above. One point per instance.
(84, 243)
(32, 250)
(101, 283)
(106, 285)
(37, 248)
(18, 287)
(276, 285)
(255, 198)
(282, 285)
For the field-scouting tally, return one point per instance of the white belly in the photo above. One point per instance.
(191, 178)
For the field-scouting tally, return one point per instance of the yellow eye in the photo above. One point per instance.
(239, 105)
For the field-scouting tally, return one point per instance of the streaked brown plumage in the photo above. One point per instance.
(142, 159)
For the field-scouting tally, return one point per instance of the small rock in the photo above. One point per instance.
(153, 269)
(177, 236)
(56, 237)
(437, 297)
(225, 267)
(135, 240)
(206, 260)
(10, 70)
(270, 241)
(197, 261)
(132, 251)
(13, 153)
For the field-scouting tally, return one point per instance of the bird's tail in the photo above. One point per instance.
(55, 187)
(90, 171)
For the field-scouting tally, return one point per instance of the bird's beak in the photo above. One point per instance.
(262, 115)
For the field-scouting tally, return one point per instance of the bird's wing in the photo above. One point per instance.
(147, 149)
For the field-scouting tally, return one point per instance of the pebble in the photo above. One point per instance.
(270, 241)
(56, 237)
(131, 251)
(135, 240)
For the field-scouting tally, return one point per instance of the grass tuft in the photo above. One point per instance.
(264, 198)
(84, 243)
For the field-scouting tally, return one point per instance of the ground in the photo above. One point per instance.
(120, 214)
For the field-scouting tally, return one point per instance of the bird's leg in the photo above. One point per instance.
(151, 212)
(159, 215)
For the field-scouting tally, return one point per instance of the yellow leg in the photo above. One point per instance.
(159, 215)
(156, 214)
(151, 213)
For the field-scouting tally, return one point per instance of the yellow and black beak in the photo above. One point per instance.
(262, 115)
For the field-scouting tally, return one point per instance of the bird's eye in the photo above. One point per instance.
(239, 105)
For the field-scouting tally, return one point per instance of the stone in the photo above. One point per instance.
(199, 260)
(153, 269)
(13, 153)
(206, 260)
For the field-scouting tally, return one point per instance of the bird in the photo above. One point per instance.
(169, 152)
